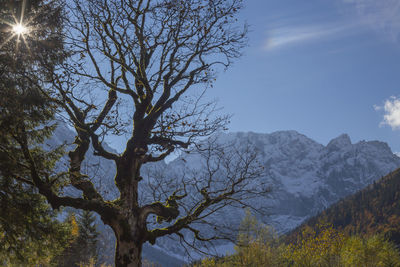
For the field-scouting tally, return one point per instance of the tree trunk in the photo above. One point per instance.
(129, 239)
(128, 254)
(127, 228)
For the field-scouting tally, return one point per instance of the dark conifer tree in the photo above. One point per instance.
(84, 247)
(29, 38)
(87, 239)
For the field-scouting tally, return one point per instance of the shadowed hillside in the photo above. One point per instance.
(375, 209)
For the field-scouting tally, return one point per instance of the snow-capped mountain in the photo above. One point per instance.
(307, 177)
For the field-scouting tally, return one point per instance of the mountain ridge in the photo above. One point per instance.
(307, 177)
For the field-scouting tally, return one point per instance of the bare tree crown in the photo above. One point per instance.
(150, 52)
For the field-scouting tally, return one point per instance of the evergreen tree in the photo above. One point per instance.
(29, 233)
(87, 239)
(84, 247)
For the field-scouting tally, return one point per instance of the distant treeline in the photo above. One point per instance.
(374, 210)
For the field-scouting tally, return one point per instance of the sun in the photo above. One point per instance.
(19, 29)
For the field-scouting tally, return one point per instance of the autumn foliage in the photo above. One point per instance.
(321, 246)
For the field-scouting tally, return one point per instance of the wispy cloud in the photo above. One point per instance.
(282, 36)
(381, 15)
(392, 112)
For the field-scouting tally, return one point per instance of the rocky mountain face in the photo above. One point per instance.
(305, 177)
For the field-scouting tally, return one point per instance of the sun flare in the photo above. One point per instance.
(19, 29)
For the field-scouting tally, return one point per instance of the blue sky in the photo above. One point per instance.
(320, 67)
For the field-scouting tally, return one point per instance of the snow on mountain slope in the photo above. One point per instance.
(306, 177)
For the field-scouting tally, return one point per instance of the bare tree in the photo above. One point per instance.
(226, 173)
(132, 63)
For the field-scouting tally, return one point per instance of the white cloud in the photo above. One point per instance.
(289, 35)
(392, 113)
(381, 15)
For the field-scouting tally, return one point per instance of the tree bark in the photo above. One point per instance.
(130, 236)
(128, 251)
(128, 254)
